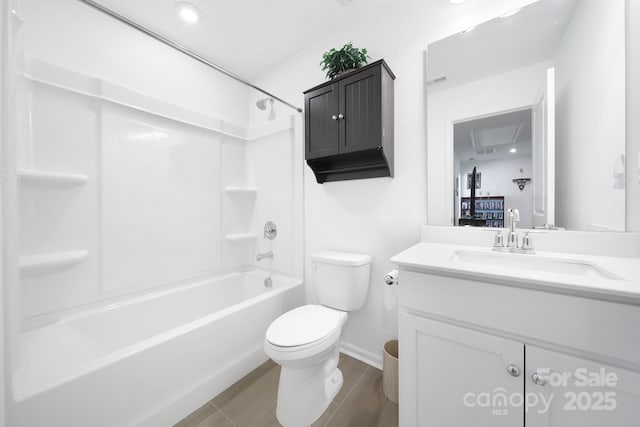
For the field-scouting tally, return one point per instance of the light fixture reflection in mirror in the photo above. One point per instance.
(564, 62)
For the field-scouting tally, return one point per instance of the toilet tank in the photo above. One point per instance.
(342, 279)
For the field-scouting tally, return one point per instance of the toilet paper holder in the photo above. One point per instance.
(391, 278)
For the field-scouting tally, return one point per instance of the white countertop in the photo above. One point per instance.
(618, 278)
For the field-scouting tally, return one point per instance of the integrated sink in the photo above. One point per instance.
(532, 263)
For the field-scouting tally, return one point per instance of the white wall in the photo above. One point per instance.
(75, 36)
(150, 213)
(497, 176)
(154, 211)
(157, 155)
(633, 112)
(511, 90)
(590, 112)
(378, 216)
(176, 166)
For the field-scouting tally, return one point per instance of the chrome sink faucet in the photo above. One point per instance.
(513, 217)
(268, 254)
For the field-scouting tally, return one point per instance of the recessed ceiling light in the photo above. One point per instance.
(513, 150)
(188, 12)
(508, 14)
(457, 1)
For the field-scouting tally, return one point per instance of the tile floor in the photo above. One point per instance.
(251, 402)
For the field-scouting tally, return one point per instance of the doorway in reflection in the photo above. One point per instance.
(500, 147)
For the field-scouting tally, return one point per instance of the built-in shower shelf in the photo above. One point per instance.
(51, 260)
(241, 237)
(250, 191)
(52, 178)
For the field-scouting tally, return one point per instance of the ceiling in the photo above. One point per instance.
(247, 37)
(529, 37)
(492, 137)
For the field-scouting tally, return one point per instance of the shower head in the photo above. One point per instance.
(262, 103)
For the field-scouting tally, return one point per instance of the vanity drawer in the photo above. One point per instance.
(588, 325)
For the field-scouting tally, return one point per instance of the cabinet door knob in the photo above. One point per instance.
(513, 370)
(340, 116)
(538, 379)
(334, 117)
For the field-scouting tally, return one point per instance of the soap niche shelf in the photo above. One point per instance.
(51, 260)
(246, 191)
(52, 178)
(243, 198)
(241, 237)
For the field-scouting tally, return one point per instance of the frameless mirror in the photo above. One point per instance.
(535, 101)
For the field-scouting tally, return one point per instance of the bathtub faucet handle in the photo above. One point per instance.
(270, 230)
(268, 254)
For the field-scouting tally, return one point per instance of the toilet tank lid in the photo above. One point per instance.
(341, 258)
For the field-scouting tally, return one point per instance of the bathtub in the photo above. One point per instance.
(151, 360)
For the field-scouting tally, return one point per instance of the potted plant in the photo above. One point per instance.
(336, 62)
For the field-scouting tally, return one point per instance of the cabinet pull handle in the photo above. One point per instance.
(334, 117)
(340, 116)
(538, 379)
(513, 370)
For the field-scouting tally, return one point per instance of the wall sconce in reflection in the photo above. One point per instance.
(521, 182)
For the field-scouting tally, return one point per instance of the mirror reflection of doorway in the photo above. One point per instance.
(499, 146)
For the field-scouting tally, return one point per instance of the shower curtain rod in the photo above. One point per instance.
(182, 49)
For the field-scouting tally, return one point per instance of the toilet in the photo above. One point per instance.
(305, 341)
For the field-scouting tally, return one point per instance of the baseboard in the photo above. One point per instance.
(362, 355)
(172, 412)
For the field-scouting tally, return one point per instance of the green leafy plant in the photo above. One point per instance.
(348, 58)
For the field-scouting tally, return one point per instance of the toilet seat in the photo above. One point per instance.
(304, 332)
(304, 325)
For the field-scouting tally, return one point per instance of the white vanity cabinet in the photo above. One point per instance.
(445, 368)
(476, 353)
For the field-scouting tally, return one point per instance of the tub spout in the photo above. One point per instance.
(268, 254)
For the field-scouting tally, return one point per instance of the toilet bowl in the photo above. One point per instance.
(305, 341)
(309, 356)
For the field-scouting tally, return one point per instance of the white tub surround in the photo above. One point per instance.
(149, 360)
(136, 183)
(125, 192)
(136, 225)
(476, 322)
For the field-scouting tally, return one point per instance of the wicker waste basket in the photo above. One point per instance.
(390, 370)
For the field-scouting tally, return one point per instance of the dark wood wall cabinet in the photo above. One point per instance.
(349, 125)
